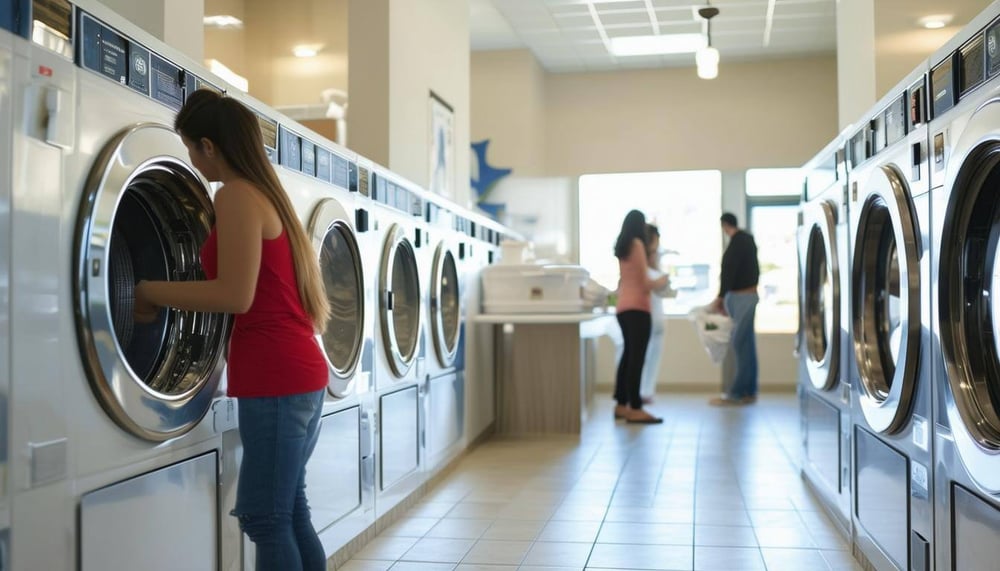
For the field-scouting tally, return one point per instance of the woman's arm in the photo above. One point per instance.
(639, 252)
(238, 222)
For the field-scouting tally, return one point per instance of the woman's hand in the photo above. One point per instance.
(145, 310)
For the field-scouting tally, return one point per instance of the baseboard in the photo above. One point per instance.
(703, 388)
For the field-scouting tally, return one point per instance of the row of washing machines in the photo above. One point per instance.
(899, 243)
(120, 449)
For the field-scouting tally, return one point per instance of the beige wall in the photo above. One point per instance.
(776, 113)
(511, 85)
(428, 51)
(410, 49)
(178, 23)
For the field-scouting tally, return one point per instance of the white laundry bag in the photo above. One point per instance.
(714, 331)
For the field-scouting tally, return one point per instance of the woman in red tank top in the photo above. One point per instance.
(260, 266)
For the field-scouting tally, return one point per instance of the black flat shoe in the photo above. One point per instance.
(650, 420)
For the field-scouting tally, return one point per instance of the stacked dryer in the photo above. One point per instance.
(893, 510)
(965, 174)
(824, 343)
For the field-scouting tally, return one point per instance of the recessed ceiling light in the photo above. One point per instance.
(223, 22)
(935, 21)
(306, 50)
(656, 45)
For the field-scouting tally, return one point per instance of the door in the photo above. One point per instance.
(885, 300)
(446, 309)
(399, 300)
(821, 294)
(969, 297)
(144, 216)
(340, 264)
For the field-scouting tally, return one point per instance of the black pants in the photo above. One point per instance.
(636, 326)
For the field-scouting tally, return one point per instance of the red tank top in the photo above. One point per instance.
(273, 350)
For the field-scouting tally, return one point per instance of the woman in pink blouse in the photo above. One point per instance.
(634, 318)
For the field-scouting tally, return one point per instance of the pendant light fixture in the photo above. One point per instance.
(707, 58)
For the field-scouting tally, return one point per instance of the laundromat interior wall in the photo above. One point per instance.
(763, 114)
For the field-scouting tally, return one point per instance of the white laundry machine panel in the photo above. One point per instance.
(399, 384)
(825, 392)
(6, 152)
(445, 315)
(965, 171)
(893, 510)
(104, 195)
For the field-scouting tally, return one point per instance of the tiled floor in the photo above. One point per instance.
(710, 489)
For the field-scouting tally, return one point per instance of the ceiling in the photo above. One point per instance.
(564, 34)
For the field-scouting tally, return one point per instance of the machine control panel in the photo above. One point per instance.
(943, 86)
(166, 82)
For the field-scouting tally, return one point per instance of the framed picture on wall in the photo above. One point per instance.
(442, 145)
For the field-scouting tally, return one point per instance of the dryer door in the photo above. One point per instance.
(821, 294)
(885, 300)
(340, 263)
(969, 297)
(399, 300)
(144, 215)
(446, 309)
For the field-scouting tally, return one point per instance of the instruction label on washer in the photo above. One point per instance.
(921, 438)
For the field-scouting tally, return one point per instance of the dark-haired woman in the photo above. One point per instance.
(633, 312)
(261, 267)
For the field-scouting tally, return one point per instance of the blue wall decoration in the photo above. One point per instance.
(484, 178)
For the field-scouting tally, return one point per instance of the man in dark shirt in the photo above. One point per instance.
(738, 298)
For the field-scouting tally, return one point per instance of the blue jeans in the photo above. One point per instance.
(742, 307)
(279, 434)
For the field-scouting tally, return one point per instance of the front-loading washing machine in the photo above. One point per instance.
(825, 392)
(965, 173)
(399, 385)
(320, 179)
(444, 316)
(115, 419)
(891, 397)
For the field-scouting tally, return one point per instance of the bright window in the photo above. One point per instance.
(773, 209)
(774, 182)
(685, 205)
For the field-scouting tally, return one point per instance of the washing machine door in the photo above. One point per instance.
(144, 215)
(821, 294)
(399, 300)
(885, 300)
(340, 264)
(969, 296)
(446, 311)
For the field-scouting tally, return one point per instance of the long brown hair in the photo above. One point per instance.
(234, 130)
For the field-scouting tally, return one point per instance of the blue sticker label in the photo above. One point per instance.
(104, 51)
(323, 164)
(290, 150)
(138, 71)
(341, 172)
(167, 83)
(308, 158)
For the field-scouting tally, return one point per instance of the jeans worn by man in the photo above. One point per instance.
(742, 308)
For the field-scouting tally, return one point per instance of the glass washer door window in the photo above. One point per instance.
(885, 300)
(399, 300)
(144, 215)
(343, 280)
(445, 305)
